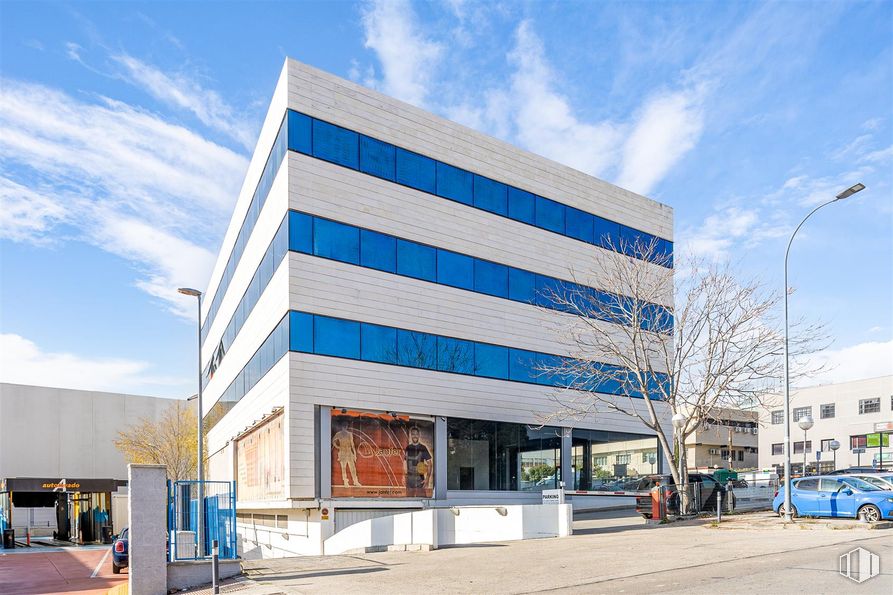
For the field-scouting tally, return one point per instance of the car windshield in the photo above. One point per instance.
(860, 484)
(876, 481)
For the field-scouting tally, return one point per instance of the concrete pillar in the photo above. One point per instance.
(440, 458)
(324, 439)
(147, 522)
(567, 469)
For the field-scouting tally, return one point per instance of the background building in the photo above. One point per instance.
(729, 441)
(858, 414)
(372, 323)
(59, 466)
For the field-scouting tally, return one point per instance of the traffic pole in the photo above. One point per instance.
(215, 567)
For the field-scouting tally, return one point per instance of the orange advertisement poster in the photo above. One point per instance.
(260, 462)
(378, 455)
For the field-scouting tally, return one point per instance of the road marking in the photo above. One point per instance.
(101, 562)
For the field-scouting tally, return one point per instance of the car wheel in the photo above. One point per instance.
(869, 513)
(646, 516)
(793, 511)
(115, 569)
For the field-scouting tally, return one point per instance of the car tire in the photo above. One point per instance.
(115, 569)
(645, 516)
(793, 511)
(869, 513)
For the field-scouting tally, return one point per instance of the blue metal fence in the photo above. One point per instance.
(218, 518)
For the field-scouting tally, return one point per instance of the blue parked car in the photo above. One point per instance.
(119, 552)
(837, 496)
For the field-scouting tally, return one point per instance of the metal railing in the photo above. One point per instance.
(218, 518)
(752, 494)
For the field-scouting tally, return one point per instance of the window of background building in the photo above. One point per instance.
(827, 410)
(825, 445)
(857, 442)
(778, 417)
(798, 447)
(778, 448)
(740, 455)
(801, 412)
(486, 455)
(869, 405)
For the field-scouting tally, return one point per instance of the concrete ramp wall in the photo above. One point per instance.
(437, 527)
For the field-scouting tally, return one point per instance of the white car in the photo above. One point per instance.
(881, 480)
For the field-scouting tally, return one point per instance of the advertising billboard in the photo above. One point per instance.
(260, 462)
(381, 455)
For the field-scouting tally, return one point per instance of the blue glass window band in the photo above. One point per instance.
(374, 157)
(371, 249)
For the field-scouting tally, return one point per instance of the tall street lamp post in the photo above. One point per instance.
(787, 375)
(834, 446)
(679, 423)
(805, 424)
(201, 466)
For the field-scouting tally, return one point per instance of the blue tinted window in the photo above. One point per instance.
(377, 158)
(549, 214)
(454, 183)
(299, 135)
(606, 234)
(415, 171)
(336, 240)
(490, 195)
(378, 251)
(545, 363)
(300, 232)
(522, 205)
(491, 361)
(300, 332)
(522, 286)
(332, 336)
(522, 365)
(455, 355)
(665, 248)
(417, 350)
(416, 260)
(550, 289)
(455, 269)
(491, 278)
(579, 224)
(336, 144)
(632, 240)
(379, 343)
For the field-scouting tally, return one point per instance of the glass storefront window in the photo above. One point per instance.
(486, 455)
(610, 460)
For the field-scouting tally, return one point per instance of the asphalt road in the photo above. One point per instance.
(609, 553)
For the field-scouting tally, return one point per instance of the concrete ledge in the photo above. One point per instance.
(193, 573)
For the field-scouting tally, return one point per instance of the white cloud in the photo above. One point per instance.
(408, 59)
(23, 362)
(122, 178)
(667, 128)
(863, 360)
(182, 91)
(719, 232)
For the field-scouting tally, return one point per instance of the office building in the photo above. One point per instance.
(373, 324)
(857, 414)
(727, 441)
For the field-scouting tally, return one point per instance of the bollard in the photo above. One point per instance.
(215, 567)
(719, 506)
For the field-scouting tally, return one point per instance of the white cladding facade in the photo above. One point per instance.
(307, 388)
(849, 412)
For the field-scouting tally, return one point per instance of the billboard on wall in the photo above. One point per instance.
(379, 455)
(260, 463)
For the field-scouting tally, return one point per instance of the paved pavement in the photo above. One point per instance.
(610, 552)
(58, 570)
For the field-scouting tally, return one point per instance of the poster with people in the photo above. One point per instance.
(381, 455)
(260, 462)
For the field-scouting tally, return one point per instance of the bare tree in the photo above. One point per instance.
(169, 441)
(720, 345)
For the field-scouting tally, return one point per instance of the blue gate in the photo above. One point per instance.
(218, 518)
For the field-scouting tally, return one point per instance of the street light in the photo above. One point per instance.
(679, 422)
(805, 424)
(201, 467)
(787, 373)
(834, 446)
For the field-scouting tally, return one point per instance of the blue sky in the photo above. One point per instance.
(125, 130)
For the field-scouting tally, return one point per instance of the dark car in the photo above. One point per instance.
(119, 552)
(860, 470)
(710, 488)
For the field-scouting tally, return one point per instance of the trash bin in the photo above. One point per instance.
(107, 534)
(9, 538)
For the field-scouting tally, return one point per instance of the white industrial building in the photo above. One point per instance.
(59, 468)
(857, 414)
(372, 322)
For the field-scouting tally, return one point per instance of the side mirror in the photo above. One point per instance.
(846, 492)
